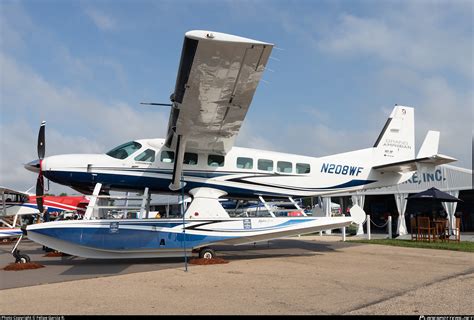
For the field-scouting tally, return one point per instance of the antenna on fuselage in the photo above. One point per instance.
(157, 104)
(161, 104)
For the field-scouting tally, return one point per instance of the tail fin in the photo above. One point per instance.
(396, 142)
(395, 147)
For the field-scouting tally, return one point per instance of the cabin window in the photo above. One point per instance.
(265, 165)
(284, 166)
(148, 156)
(167, 156)
(124, 150)
(190, 158)
(244, 163)
(303, 168)
(215, 160)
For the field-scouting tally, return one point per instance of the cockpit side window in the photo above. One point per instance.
(167, 156)
(124, 150)
(148, 156)
(190, 158)
(215, 160)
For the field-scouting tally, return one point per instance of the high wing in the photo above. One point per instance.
(217, 78)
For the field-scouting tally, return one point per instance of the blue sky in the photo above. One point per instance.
(337, 70)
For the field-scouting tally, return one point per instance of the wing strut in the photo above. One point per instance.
(178, 164)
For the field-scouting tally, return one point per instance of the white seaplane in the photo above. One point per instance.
(216, 81)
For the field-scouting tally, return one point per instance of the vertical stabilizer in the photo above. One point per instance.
(396, 142)
(430, 145)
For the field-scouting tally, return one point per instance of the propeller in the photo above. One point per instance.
(40, 180)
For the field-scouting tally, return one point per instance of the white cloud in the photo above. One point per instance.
(73, 65)
(250, 137)
(14, 26)
(320, 135)
(76, 122)
(16, 137)
(101, 20)
(417, 36)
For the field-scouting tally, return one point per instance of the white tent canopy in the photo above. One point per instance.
(446, 178)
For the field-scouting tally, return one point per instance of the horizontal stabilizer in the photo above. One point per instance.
(413, 165)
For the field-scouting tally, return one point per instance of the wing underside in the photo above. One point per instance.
(217, 78)
(216, 81)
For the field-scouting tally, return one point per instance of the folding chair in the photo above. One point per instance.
(413, 229)
(425, 229)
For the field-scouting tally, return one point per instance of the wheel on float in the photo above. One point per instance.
(207, 253)
(22, 258)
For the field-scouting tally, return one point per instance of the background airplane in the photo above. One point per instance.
(15, 204)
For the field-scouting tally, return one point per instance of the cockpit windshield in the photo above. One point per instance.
(124, 150)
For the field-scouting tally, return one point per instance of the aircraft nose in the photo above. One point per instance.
(33, 166)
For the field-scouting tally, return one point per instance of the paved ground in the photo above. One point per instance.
(307, 275)
(465, 236)
(60, 269)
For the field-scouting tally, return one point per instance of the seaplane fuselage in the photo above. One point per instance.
(241, 173)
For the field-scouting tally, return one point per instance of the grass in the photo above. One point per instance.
(465, 246)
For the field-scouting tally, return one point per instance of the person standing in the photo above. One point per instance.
(46, 216)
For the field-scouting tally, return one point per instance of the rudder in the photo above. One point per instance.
(396, 142)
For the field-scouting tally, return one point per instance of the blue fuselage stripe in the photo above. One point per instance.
(160, 184)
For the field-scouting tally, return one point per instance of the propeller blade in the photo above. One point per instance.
(41, 142)
(40, 192)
